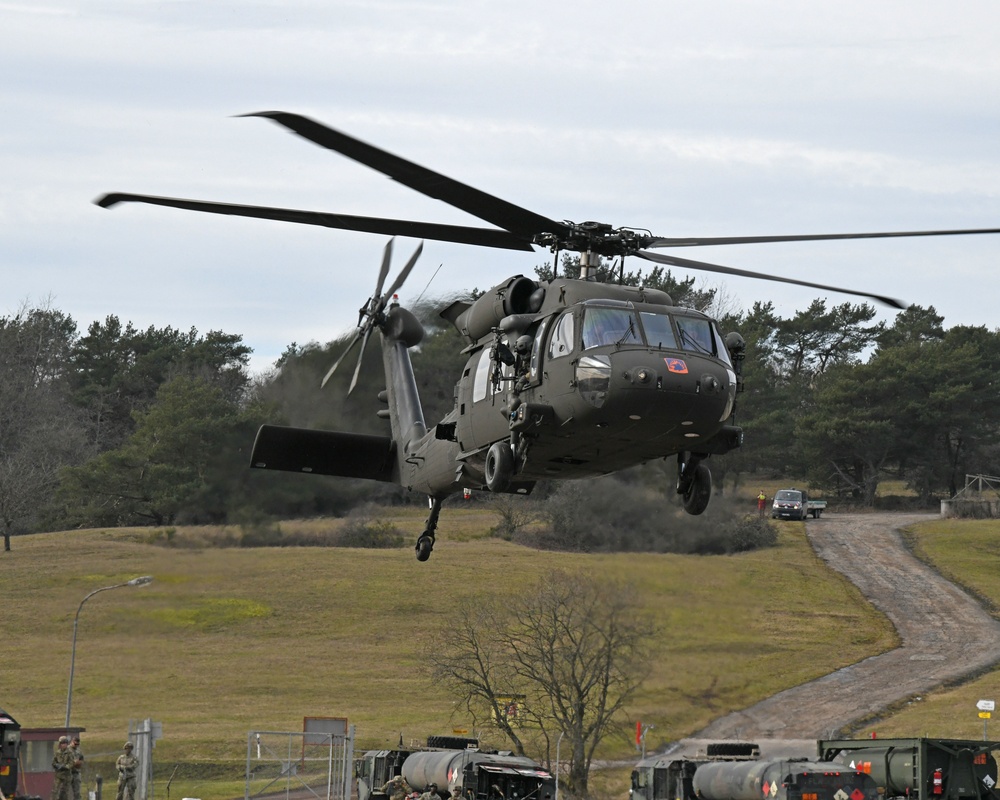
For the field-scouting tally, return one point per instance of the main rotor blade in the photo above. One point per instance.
(703, 241)
(510, 217)
(484, 237)
(704, 266)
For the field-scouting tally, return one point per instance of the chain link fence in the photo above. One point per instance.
(298, 765)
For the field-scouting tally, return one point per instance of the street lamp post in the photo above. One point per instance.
(76, 620)
(558, 742)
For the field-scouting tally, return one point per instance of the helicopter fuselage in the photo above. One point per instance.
(598, 379)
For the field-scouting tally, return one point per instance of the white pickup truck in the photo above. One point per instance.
(795, 504)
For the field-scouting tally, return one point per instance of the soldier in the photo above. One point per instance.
(127, 765)
(74, 748)
(62, 766)
(431, 793)
(456, 793)
(397, 788)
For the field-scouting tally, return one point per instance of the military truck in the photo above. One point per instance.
(479, 774)
(921, 769)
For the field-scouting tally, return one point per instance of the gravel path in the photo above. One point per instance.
(945, 635)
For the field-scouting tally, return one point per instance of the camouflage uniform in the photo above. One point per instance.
(397, 788)
(127, 765)
(431, 793)
(62, 766)
(74, 748)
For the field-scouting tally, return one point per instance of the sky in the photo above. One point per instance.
(716, 118)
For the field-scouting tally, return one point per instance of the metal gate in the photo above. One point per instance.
(300, 765)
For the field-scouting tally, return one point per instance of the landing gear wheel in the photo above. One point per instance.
(699, 491)
(424, 546)
(499, 467)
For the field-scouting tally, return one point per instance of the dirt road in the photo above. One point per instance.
(945, 634)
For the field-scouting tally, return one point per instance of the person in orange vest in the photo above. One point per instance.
(761, 502)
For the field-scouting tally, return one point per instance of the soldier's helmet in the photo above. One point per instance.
(63, 740)
(127, 745)
(433, 786)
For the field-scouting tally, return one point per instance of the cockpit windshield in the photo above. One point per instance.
(658, 330)
(695, 333)
(616, 326)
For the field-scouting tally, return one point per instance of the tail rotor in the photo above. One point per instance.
(372, 313)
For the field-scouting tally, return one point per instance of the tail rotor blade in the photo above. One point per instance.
(361, 355)
(404, 273)
(371, 312)
(384, 271)
(354, 341)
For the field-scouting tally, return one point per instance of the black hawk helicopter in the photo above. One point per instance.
(565, 378)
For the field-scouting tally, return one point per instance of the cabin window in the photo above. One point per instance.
(659, 333)
(695, 333)
(609, 326)
(561, 343)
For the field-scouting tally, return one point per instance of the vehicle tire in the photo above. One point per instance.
(699, 493)
(499, 467)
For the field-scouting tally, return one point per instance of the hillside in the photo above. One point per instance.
(230, 640)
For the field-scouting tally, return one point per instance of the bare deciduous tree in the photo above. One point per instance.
(574, 647)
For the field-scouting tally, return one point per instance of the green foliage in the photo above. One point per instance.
(750, 533)
(118, 370)
(40, 430)
(175, 467)
(621, 514)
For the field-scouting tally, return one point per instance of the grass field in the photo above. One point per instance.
(225, 641)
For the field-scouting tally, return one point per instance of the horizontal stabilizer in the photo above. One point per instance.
(346, 455)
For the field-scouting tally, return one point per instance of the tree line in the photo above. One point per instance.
(120, 426)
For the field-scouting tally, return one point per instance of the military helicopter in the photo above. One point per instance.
(564, 378)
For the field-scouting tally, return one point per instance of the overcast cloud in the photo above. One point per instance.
(717, 118)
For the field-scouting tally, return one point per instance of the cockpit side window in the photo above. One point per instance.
(535, 366)
(561, 343)
(658, 331)
(720, 347)
(609, 326)
(695, 333)
(481, 383)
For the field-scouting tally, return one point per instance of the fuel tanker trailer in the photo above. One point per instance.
(480, 775)
(781, 780)
(921, 769)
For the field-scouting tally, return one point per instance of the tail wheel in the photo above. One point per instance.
(424, 546)
(699, 492)
(499, 467)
